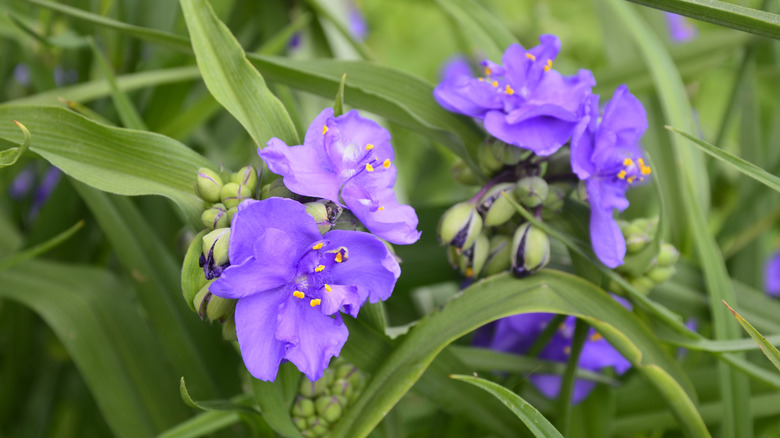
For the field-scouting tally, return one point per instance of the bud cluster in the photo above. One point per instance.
(485, 235)
(320, 404)
(638, 234)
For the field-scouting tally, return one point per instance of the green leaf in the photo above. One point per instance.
(232, 80)
(741, 165)
(204, 424)
(275, 399)
(487, 33)
(192, 277)
(237, 404)
(338, 104)
(115, 160)
(37, 250)
(535, 421)
(500, 296)
(768, 349)
(9, 157)
(723, 14)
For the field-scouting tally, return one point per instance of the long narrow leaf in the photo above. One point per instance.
(768, 349)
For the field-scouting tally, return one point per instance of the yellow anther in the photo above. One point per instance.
(548, 66)
(315, 302)
(324, 129)
(386, 163)
(380, 208)
(495, 83)
(481, 79)
(530, 56)
(469, 272)
(369, 147)
(631, 179)
(328, 288)
(646, 170)
(317, 246)
(622, 174)
(488, 71)
(298, 294)
(508, 90)
(640, 162)
(339, 258)
(319, 268)
(628, 162)
(596, 337)
(369, 167)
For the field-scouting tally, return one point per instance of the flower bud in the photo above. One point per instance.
(495, 207)
(487, 161)
(507, 154)
(318, 426)
(329, 408)
(208, 185)
(303, 407)
(229, 329)
(460, 225)
(300, 423)
(660, 274)
(214, 258)
(474, 258)
(463, 173)
(530, 250)
(218, 308)
(553, 203)
(230, 213)
(276, 188)
(215, 217)
(346, 221)
(636, 239)
(642, 284)
(668, 255)
(313, 389)
(233, 194)
(247, 177)
(325, 213)
(342, 388)
(498, 260)
(531, 191)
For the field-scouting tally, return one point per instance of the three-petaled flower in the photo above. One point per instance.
(605, 153)
(348, 160)
(291, 282)
(523, 102)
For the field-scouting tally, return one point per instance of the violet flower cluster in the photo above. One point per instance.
(526, 103)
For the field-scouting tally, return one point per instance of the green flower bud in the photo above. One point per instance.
(216, 242)
(642, 284)
(346, 221)
(229, 329)
(498, 260)
(247, 177)
(215, 217)
(530, 250)
(582, 191)
(507, 154)
(329, 408)
(495, 207)
(300, 423)
(531, 191)
(487, 161)
(276, 188)
(313, 389)
(325, 213)
(211, 306)
(233, 194)
(460, 225)
(473, 259)
(303, 407)
(668, 255)
(463, 173)
(230, 213)
(342, 388)
(197, 302)
(660, 274)
(553, 203)
(208, 185)
(318, 426)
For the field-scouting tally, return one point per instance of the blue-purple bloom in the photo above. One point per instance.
(516, 334)
(680, 29)
(523, 102)
(349, 160)
(772, 276)
(358, 26)
(605, 153)
(25, 181)
(22, 74)
(291, 283)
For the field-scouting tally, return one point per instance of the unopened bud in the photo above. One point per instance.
(214, 258)
(499, 258)
(230, 214)
(342, 388)
(208, 185)
(300, 423)
(215, 217)
(487, 161)
(211, 306)
(507, 154)
(229, 329)
(329, 408)
(325, 213)
(474, 258)
(460, 225)
(531, 191)
(495, 207)
(313, 389)
(276, 188)
(530, 250)
(553, 203)
(247, 177)
(318, 426)
(233, 194)
(668, 255)
(303, 407)
(660, 274)
(463, 173)
(346, 221)
(642, 284)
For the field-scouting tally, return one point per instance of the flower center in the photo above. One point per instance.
(314, 278)
(633, 169)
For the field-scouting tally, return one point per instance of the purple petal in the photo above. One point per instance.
(256, 320)
(346, 141)
(455, 68)
(382, 215)
(680, 29)
(544, 135)
(772, 276)
(550, 386)
(467, 96)
(312, 338)
(358, 26)
(22, 183)
(306, 169)
(625, 116)
(370, 266)
(346, 297)
(607, 240)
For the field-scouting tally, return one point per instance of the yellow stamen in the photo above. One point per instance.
(339, 258)
(508, 90)
(628, 162)
(328, 288)
(369, 167)
(548, 66)
(324, 129)
(319, 268)
(641, 162)
(631, 179)
(596, 337)
(646, 170)
(386, 163)
(315, 302)
(530, 56)
(622, 174)
(369, 147)
(469, 272)
(481, 80)
(495, 83)
(488, 71)
(317, 246)
(298, 294)
(380, 208)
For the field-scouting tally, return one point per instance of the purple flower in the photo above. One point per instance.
(22, 74)
(358, 26)
(291, 282)
(605, 154)
(48, 183)
(348, 160)
(680, 29)
(523, 102)
(23, 183)
(516, 334)
(772, 276)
